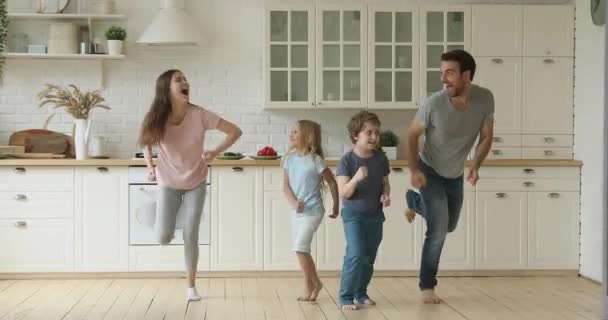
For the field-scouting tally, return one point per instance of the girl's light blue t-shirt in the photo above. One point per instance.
(304, 172)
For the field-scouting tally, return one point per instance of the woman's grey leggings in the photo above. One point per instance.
(191, 202)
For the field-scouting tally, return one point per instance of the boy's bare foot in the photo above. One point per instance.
(349, 307)
(429, 296)
(368, 301)
(410, 215)
(315, 291)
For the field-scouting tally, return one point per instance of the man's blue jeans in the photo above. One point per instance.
(363, 233)
(441, 202)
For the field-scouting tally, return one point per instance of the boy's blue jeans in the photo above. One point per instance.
(439, 202)
(363, 233)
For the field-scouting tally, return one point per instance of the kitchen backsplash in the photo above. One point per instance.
(226, 76)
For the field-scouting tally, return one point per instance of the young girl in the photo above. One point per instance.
(305, 171)
(362, 177)
(178, 128)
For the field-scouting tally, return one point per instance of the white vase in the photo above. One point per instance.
(81, 138)
(391, 152)
(114, 47)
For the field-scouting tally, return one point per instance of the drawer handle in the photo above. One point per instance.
(102, 170)
(20, 224)
(20, 197)
(528, 184)
(501, 195)
(497, 152)
(237, 169)
(19, 170)
(549, 140)
(529, 171)
(497, 60)
(398, 169)
(548, 61)
(553, 195)
(497, 139)
(549, 153)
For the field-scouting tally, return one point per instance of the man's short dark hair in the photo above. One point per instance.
(464, 59)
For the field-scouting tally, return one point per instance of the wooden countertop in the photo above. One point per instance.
(250, 162)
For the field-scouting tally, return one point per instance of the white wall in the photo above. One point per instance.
(226, 76)
(588, 128)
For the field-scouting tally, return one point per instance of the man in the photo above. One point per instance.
(451, 120)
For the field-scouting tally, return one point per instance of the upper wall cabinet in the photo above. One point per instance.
(393, 57)
(443, 28)
(497, 31)
(548, 31)
(289, 56)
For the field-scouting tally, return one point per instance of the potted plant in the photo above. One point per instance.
(77, 103)
(115, 36)
(388, 144)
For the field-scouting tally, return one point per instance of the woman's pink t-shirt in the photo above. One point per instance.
(180, 163)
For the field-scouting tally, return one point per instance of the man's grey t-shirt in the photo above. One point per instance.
(450, 133)
(366, 197)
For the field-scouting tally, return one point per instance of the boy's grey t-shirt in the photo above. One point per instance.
(450, 133)
(366, 197)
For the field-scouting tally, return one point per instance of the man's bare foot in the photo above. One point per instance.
(429, 296)
(410, 215)
(349, 307)
(368, 301)
(315, 292)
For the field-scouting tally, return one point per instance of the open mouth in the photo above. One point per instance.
(186, 91)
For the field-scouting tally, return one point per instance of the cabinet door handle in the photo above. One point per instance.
(501, 195)
(528, 184)
(312, 103)
(549, 153)
(548, 61)
(237, 169)
(497, 139)
(102, 170)
(398, 169)
(553, 195)
(529, 171)
(497, 60)
(549, 140)
(320, 103)
(20, 197)
(20, 224)
(19, 170)
(497, 152)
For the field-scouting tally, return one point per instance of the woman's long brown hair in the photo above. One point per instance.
(153, 126)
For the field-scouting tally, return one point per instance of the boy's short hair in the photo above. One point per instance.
(357, 122)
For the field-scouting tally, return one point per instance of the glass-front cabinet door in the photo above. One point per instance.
(341, 79)
(393, 57)
(289, 56)
(444, 28)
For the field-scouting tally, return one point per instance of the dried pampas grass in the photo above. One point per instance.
(76, 102)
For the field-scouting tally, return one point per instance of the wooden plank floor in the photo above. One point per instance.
(478, 298)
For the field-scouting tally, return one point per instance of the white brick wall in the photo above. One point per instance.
(226, 76)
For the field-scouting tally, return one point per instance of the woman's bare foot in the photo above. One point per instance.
(429, 296)
(315, 291)
(304, 298)
(349, 307)
(410, 215)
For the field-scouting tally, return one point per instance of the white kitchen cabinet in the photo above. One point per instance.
(37, 245)
(442, 28)
(36, 178)
(503, 76)
(164, 258)
(237, 218)
(289, 55)
(331, 244)
(278, 234)
(393, 57)
(459, 247)
(548, 30)
(341, 59)
(401, 241)
(102, 219)
(501, 230)
(548, 96)
(497, 30)
(553, 219)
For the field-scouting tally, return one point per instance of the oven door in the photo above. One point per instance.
(143, 210)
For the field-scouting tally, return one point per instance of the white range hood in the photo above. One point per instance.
(172, 26)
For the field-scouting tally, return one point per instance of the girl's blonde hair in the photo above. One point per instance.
(310, 139)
